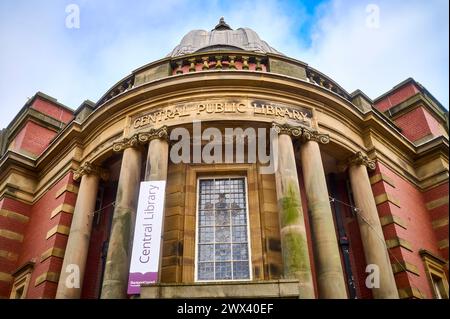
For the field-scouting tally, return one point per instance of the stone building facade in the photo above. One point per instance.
(360, 186)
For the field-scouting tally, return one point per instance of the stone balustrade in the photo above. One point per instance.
(224, 60)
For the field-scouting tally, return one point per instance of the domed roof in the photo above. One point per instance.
(222, 37)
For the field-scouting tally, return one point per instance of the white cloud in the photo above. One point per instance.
(411, 41)
(39, 54)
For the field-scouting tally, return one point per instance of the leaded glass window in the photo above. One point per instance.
(222, 230)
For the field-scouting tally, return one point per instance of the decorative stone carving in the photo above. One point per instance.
(315, 136)
(360, 159)
(304, 133)
(88, 168)
(142, 138)
(287, 129)
(125, 143)
(160, 133)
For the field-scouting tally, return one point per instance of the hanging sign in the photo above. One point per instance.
(145, 255)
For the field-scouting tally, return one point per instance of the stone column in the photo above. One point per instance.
(158, 154)
(294, 246)
(74, 264)
(157, 165)
(329, 273)
(375, 249)
(115, 279)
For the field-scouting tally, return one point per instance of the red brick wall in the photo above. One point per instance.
(435, 128)
(57, 112)
(439, 212)
(397, 97)
(7, 245)
(419, 232)
(35, 242)
(415, 124)
(33, 139)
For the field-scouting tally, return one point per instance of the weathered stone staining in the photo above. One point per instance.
(294, 246)
(119, 248)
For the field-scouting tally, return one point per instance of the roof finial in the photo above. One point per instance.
(222, 25)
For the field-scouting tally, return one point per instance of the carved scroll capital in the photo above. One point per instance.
(360, 159)
(287, 129)
(154, 133)
(142, 138)
(304, 133)
(90, 169)
(315, 136)
(126, 143)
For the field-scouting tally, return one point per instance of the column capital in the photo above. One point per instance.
(301, 132)
(142, 138)
(90, 169)
(154, 133)
(360, 159)
(126, 143)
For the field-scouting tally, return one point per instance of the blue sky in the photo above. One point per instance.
(39, 53)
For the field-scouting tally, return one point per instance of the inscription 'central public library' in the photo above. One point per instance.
(197, 109)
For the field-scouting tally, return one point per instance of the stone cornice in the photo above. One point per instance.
(90, 169)
(301, 132)
(142, 138)
(360, 159)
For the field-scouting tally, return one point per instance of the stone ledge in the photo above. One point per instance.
(243, 289)
(11, 235)
(392, 219)
(47, 276)
(67, 188)
(443, 244)
(8, 255)
(405, 266)
(381, 177)
(5, 277)
(13, 215)
(55, 252)
(382, 198)
(437, 203)
(60, 229)
(66, 208)
(398, 242)
(440, 222)
(408, 293)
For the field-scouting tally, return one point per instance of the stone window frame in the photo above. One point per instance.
(22, 278)
(254, 217)
(435, 268)
(247, 215)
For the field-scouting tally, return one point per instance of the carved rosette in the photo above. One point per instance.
(142, 138)
(90, 169)
(304, 133)
(360, 159)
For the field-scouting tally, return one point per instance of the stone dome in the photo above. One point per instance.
(222, 37)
